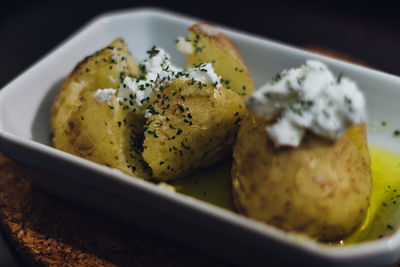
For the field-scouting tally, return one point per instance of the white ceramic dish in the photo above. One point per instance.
(25, 135)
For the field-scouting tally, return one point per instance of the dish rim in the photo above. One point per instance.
(381, 246)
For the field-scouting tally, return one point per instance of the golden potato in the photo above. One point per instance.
(106, 132)
(196, 121)
(193, 125)
(210, 45)
(104, 69)
(320, 189)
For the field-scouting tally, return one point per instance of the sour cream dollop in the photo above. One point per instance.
(156, 71)
(308, 98)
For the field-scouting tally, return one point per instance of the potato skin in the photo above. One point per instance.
(211, 45)
(193, 128)
(320, 189)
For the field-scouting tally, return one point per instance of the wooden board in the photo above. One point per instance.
(48, 231)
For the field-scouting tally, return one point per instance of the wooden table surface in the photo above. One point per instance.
(368, 32)
(47, 231)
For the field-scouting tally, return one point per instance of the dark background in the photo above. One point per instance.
(368, 31)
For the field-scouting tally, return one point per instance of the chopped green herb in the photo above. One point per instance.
(153, 52)
(339, 78)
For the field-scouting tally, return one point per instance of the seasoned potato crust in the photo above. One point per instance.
(102, 132)
(211, 45)
(104, 69)
(193, 127)
(320, 188)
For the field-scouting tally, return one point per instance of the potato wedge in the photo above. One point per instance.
(102, 132)
(192, 126)
(320, 189)
(104, 69)
(210, 45)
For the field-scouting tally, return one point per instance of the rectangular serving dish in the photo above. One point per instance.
(25, 105)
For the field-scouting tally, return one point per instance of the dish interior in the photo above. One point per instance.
(26, 102)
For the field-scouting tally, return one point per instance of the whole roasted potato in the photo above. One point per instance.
(205, 43)
(320, 188)
(192, 126)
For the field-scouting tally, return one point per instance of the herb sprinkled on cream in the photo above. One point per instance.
(308, 98)
(156, 71)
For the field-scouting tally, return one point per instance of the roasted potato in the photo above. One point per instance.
(320, 188)
(207, 44)
(102, 132)
(105, 133)
(193, 125)
(104, 69)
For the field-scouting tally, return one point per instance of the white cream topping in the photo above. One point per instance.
(309, 97)
(111, 78)
(156, 71)
(184, 46)
(103, 95)
(204, 73)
